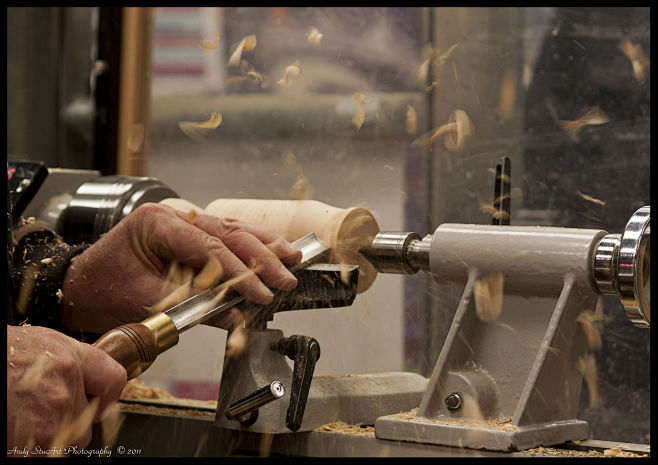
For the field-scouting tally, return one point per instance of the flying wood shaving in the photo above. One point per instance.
(33, 373)
(587, 367)
(197, 131)
(431, 86)
(248, 43)
(502, 176)
(426, 140)
(639, 60)
(46, 261)
(71, 431)
(236, 342)
(488, 292)
(412, 120)
(210, 44)
(301, 189)
(249, 72)
(494, 212)
(360, 115)
(180, 294)
(314, 36)
(289, 73)
(591, 199)
(209, 275)
(443, 58)
(587, 320)
(456, 138)
(589, 116)
(59, 295)
(111, 426)
(12, 351)
(423, 70)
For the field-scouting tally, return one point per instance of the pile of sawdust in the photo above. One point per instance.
(340, 427)
(136, 389)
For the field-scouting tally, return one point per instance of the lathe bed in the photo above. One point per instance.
(176, 431)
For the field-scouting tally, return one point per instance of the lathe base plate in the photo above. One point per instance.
(454, 433)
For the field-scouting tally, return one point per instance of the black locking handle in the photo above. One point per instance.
(304, 351)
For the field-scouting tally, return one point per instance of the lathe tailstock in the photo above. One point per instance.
(510, 372)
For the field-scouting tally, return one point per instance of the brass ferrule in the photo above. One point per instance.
(164, 330)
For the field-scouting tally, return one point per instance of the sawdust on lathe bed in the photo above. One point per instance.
(136, 389)
(340, 427)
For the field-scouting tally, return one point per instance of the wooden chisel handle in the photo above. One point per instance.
(136, 345)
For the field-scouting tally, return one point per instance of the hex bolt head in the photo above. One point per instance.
(454, 401)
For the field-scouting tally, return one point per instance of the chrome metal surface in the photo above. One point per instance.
(273, 391)
(634, 268)
(605, 264)
(621, 266)
(388, 252)
(101, 203)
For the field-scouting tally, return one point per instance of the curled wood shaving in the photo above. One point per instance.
(210, 44)
(247, 43)
(50, 354)
(429, 57)
(46, 261)
(249, 73)
(494, 212)
(488, 292)
(591, 199)
(290, 72)
(12, 351)
(197, 130)
(456, 138)
(638, 58)
(59, 295)
(590, 116)
(412, 120)
(314, 36)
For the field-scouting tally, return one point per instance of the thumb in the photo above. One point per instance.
(103, 376)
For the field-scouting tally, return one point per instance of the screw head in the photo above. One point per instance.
(454, 401)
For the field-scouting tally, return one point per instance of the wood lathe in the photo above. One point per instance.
(507, 380)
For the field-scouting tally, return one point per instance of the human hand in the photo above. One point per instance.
(56, 388)
(119, 278)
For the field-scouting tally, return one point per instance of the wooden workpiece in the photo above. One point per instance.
(345, 230)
